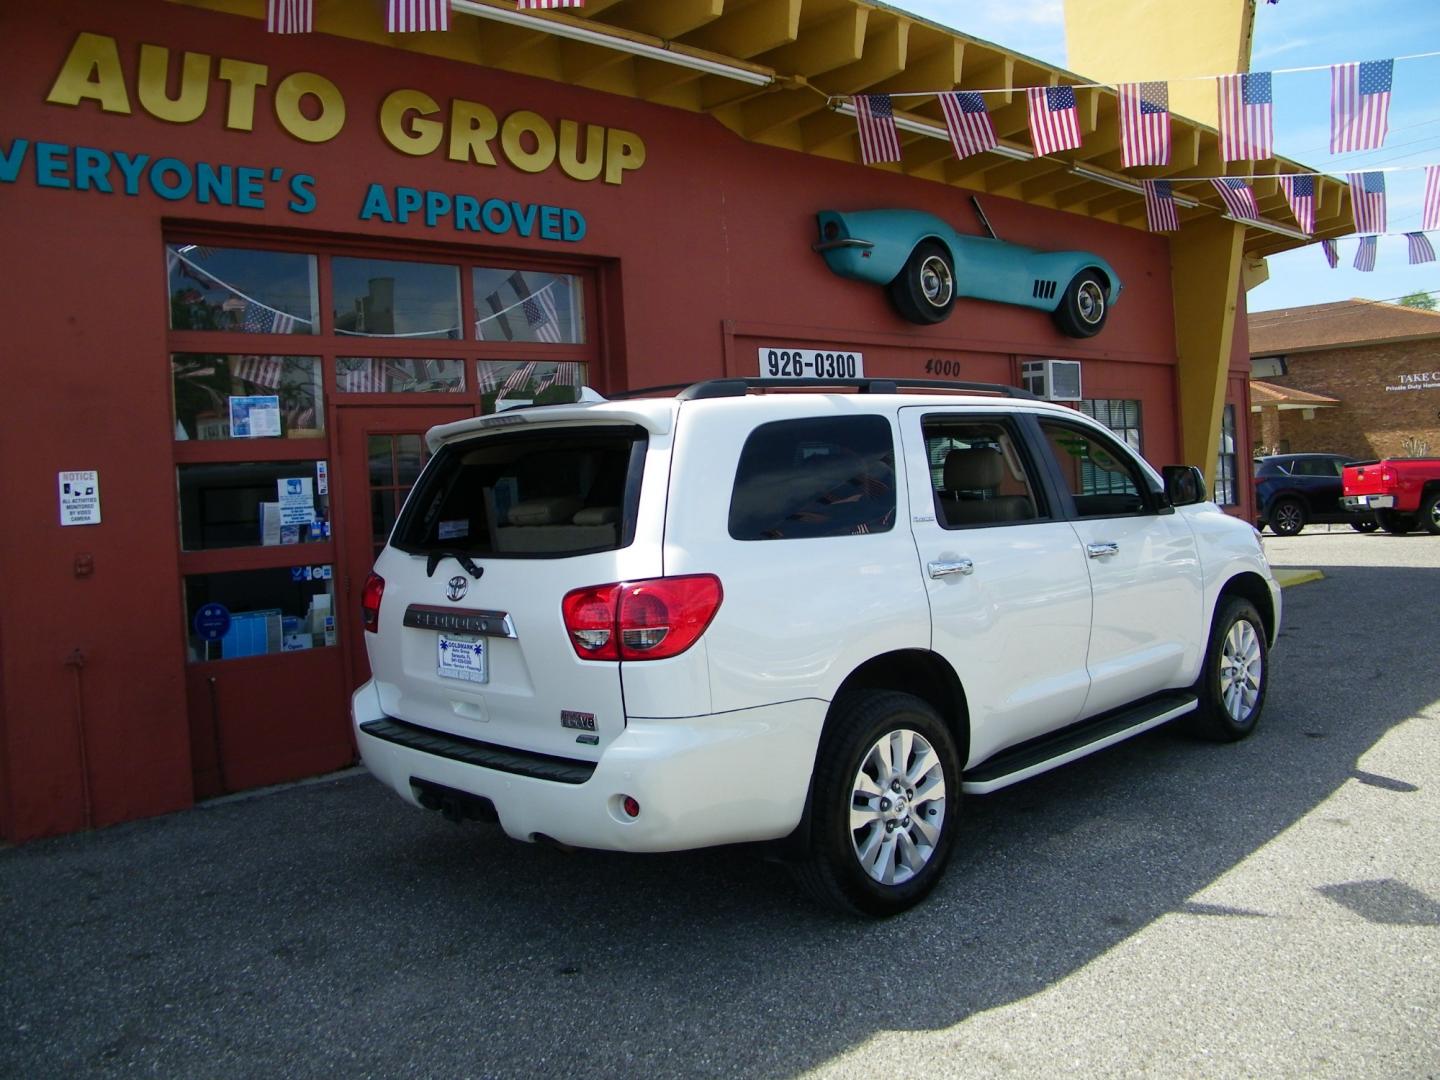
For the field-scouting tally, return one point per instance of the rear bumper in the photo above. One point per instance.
(1368, 502)
(700, 781)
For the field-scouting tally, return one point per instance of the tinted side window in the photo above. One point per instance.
(1099, 476)
(828, 476)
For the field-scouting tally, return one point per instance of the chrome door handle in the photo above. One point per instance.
(945, 569)
(1102, 551)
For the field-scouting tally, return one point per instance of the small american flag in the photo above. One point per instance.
(1332, 252)
(1365, 254)
(518, 379)
(290, 16)
(260, 370)
(879, 139)
(1431, 218)
(565, 374)
(1144, 123)
(1160, 212)
(540, 313)
(1359, 104)
(1300, 194)
(362, 376)
(1420, 249)
(1239, 199)
(1367, 201)
(488, 377)
(260, 319)
(405, 16)
(971, 131)
(523, 5)
(1054, 118)
(1247, 116)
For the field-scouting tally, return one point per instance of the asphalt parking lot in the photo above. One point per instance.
(1167, 908)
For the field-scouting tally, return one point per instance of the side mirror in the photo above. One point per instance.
(1184, 484)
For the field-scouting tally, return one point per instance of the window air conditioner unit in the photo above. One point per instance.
(1053, 380)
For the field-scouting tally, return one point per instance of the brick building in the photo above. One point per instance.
(1354, 377)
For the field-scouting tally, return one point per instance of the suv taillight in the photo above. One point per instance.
(640, 620)
(370, 602)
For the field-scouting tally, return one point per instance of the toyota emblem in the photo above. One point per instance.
(455, 587)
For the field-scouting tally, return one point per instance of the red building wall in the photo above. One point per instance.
(702, 251)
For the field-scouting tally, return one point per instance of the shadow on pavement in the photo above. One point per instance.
(329, 928)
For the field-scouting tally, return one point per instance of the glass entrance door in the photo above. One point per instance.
(382, 451)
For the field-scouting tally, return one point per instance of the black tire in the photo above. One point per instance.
(1085, 305)
(1393, 523)
(924, 291)
(1287, 517)
(1230, 705)
(1430, 513)
(857, 741)
(1368, 525)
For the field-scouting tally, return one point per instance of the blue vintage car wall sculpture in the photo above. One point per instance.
(925, 264)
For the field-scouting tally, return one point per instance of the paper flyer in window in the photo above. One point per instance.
(255, 417)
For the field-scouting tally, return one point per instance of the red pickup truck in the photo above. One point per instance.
(1403, 492)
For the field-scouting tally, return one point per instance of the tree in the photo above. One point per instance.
(1421, 300)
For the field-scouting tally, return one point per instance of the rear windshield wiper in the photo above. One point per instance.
(438, 555)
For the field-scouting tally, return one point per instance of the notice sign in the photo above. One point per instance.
(297, 500)
(80, 498)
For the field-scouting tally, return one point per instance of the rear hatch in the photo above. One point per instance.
(1366, 478)
(513, 512)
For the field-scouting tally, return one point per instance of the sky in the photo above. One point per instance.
(1296, 33)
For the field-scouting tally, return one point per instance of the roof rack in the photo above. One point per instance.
(722, 388)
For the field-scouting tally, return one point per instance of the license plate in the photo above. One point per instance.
(462, 656)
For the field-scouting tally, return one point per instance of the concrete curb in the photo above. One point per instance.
(1286, 578)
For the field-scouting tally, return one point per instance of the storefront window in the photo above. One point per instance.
(1120, 415)
(528, 305)
(244, 613)
(220, 396)
(253, 504)
(1225, 491)
(378, 375)
(505, 384)
(387, 298)
(239, 290)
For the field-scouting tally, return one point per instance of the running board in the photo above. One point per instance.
(1051, 751)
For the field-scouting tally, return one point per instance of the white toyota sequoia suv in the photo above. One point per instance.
(819, 615)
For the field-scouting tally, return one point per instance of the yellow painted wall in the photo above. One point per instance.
(1135, 40)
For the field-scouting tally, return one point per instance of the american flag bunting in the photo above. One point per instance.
(362, 376)
(540, 313)
(1054, 118)
(260, 370)
(1160, 214)
(1239, 199)
(1431, 217)
(968, 122)
(1247, 117)
(290, 16)
(1359, 104)
(1332, 252)
(1367, 201)
(1365, 254)
(408, 16)
(1421, 250)
(879, 138)
(1144, 123)
(1300, 194)
(260, 319)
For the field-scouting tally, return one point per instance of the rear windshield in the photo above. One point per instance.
(541, 494)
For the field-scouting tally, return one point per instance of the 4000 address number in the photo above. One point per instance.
(810, 364)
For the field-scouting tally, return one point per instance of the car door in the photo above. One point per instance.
(1147, 631)
(1005, 574)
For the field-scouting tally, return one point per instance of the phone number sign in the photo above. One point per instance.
(783, 362)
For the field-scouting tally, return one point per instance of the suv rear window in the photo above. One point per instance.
(799, 479)
(540, 494)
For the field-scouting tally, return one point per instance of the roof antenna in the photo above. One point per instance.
(984, 221)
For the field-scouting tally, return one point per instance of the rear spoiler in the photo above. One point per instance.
(656, 416)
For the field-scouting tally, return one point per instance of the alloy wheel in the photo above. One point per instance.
(1242, 667)
(897, 806)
